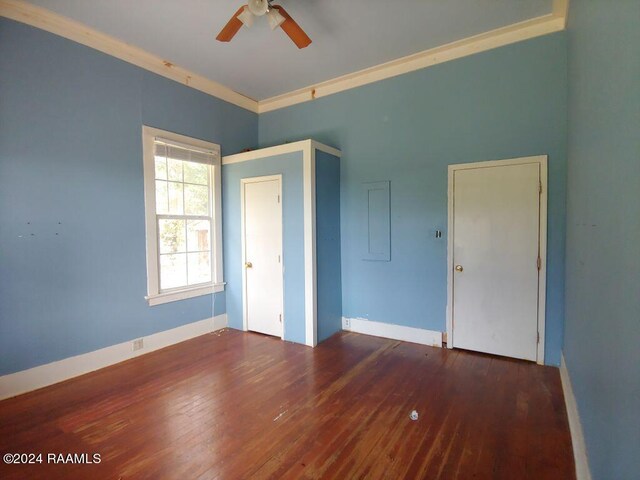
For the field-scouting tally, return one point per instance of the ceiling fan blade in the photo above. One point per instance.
(292, 29)
(231, 28)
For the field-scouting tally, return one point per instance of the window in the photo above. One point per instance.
(182, 210)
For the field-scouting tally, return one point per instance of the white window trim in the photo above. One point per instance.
(154, 296)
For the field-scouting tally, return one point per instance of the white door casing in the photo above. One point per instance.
(497, 257)
(262, 260)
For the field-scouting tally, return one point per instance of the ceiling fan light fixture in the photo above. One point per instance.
(275, 18)
(276, 15)
(258, 7)
(246, 17)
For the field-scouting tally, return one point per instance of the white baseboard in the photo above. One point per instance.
(577, 435)
(45, 375)
(395, 332)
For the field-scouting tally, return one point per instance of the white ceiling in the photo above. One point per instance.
(347, 35)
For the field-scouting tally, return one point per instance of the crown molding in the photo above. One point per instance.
(44, 19)
(52, 22)
(560, 9)
(517, 32)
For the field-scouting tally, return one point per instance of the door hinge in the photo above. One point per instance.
(539, 263)
(538, 338)
(280, 318)
(539, 187)
(278, 198)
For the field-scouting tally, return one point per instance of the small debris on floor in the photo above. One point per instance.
(413, 415)
(280, 415)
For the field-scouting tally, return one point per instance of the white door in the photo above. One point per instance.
(496, 222)
(262, 247)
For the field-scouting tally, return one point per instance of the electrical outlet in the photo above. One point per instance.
(347, 323)
(138, 344)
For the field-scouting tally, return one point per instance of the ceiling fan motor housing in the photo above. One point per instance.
(258, 7)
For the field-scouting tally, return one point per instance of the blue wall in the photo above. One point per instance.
(328, 275)
(290, 167)
(72, 240)
(505, 103)
(602, 341)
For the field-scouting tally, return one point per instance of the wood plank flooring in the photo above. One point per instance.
(235, 405)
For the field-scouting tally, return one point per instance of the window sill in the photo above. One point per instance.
(160, 298)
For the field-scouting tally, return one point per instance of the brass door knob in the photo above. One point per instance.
(248, 265)
(459, 268)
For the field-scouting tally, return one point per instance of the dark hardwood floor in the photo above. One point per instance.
(234, 405)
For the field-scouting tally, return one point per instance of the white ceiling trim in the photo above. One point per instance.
(52, 22)
(517, 32)
(560, 9)
(44, 19)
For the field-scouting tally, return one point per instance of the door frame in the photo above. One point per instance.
(243, 184)
(541, 160)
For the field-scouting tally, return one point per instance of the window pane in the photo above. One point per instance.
(196, 199)
(175, 198)
(173, 271)
(175, 169)
(196, 173)
(198, 235)
(162, 197)
(199, 268)
(161, 168)
(171, 234)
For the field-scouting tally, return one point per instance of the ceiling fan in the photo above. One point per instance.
(276, 15)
